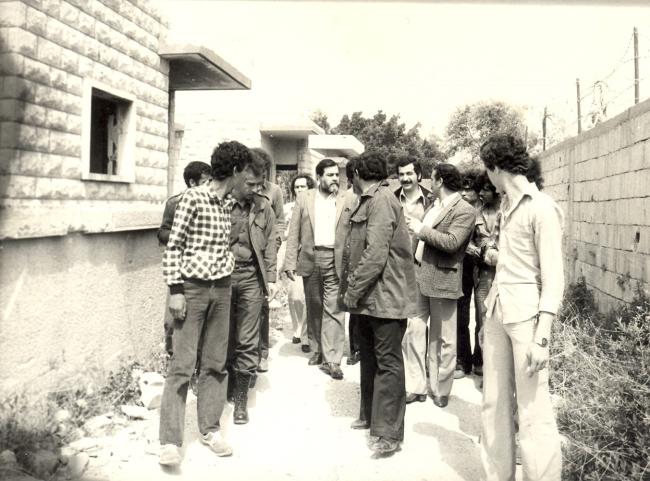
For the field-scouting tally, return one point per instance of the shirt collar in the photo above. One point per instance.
(448, 200)
(530, 190)
(402, 195)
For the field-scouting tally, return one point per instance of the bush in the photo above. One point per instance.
(600, 369)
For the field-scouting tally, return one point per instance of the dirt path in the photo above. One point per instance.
(299, 430)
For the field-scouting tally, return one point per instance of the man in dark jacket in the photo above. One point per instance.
(377, 282)
(252, 242)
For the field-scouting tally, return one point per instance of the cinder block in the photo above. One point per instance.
(12, 14)
(12, 64)
(52, 7)
(17, 187)
(74, 84)
(57, 120)
(38, 164)
(69, 61)
(49, 52)
(71, 167)
(33, 138)
(56, 31)
(64, 143)
(69, 13)
(60, 188)
(35, 115)
(17, 40)
(36, 21)
(86, 24)
(37, 71)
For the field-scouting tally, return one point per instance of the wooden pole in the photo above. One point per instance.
(544, 130)
(636, 66)
(578, 102)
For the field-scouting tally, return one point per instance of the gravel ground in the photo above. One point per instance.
(299, 430)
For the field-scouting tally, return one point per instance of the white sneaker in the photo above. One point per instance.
(217, 444)
(170, 455)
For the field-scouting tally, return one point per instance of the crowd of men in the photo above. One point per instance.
(402, 265)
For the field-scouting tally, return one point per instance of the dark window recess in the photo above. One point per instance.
(108, 114)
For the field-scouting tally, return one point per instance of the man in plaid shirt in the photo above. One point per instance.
(197, 265)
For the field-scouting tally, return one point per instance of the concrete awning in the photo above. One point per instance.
(194, 67)
(336, 145)
(291, 131)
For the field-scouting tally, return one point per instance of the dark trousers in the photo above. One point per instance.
(264, 329)
(245, 306)
(353, 333)
(325, 319)
(383, 396)
(464, 357)
(207, 318)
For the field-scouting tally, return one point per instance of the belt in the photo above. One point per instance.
(221, 282)
(323, 248)
(242, 264)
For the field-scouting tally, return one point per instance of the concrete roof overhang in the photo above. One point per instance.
(291, 131)
(194, 67)
(336, 145)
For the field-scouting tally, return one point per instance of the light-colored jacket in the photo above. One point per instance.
(441, 271)
(300, 241)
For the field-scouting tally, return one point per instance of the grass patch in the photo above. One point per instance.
(600, 369)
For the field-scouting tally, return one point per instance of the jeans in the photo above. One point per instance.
(207, 318)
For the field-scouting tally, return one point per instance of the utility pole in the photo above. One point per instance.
(544, 130)
(578, 101)
(636, 66)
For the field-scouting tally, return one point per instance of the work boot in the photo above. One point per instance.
(230, 390)
(240, 415)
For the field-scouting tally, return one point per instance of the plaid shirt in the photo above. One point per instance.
(198, 246)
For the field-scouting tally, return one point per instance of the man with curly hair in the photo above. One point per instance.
(520, 308)
(197, 265)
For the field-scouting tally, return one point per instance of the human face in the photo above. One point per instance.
(329, 181)
(246, 184)
(300, 185)
(487, 195)
(495, 178)
(356, 183)
(205, 177)
(469, 195)
(436, 185)
(408, 177)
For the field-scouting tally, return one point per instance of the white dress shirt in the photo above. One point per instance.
(325, 220)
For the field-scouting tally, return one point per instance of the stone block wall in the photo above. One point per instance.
(601, 179)
(48, 49)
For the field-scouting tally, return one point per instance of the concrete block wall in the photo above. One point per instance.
(602, 181)
(47, 50)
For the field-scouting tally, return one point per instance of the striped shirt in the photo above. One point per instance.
(198, 246)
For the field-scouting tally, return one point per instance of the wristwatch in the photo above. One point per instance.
(543, 343)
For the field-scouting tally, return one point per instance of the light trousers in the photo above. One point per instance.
(504, 374)
(441, 355)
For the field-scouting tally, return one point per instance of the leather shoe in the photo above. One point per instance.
(360, 424)
(441, 401)
(305, 348)
(478, 370)
(295, 340)
(385, 445)
(263, 366)
(332, 370)
(411, 397)
(315, 359)
(354, 358)
(460, 373)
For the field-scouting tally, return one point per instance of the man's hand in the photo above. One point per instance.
(491, 256)
(272, 290)
(177, 306)
(413, 223)
(348, 301)
(537, 357)
(291, 275)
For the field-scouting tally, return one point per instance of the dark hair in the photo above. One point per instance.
(228, 157)
(349, 168)
(405, 160)
(483, 182)
(534, 173)
(310, 182)
(371, 166)
(194, 170)
(470, 180)
(324, 164)
(450, 175)
(507, 152)
(266, 157)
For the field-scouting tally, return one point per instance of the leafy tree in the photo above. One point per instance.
(320, 118)
(391, 137)
(471, 125)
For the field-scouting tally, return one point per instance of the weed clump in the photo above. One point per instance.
(600, 370)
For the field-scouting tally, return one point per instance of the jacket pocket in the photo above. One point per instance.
(450, 263)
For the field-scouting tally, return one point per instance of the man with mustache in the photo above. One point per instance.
(414, 198)
(311, 253)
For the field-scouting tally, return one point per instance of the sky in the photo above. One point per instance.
(421, 60)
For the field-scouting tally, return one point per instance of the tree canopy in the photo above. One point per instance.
(387, 135)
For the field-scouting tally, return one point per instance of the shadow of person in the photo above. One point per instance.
(469, 417)
(458, 451)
